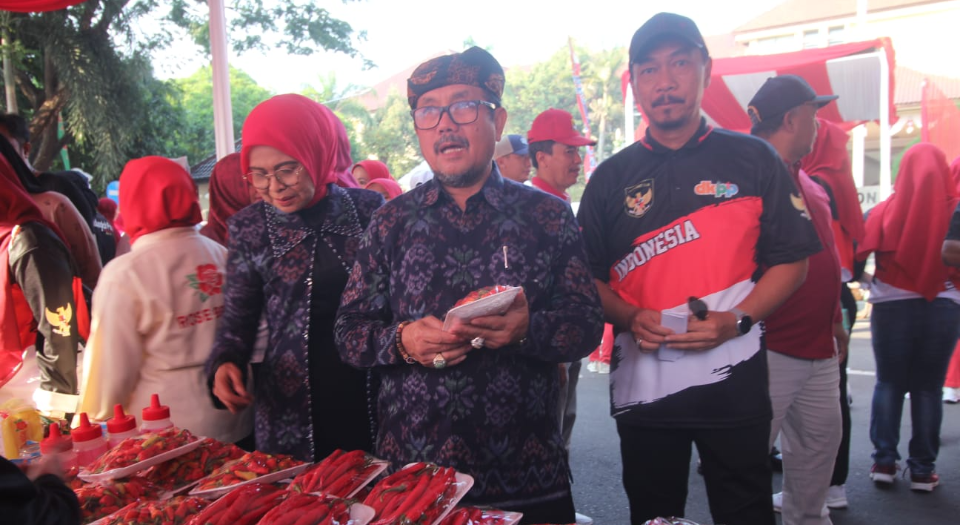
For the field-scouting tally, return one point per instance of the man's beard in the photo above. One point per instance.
(461, 180)
(673, 123)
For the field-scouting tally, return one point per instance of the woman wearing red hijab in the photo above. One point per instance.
(156, 308)
(368, 170)
(108, 208)
(229, 193)
(290, 256)
(40, 319)
(386, 187)
(344, 158)
(916, 313)
(58, 210)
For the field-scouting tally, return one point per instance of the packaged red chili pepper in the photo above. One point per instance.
(340, 475)
(103, 498)
(192, 466)
(419, 493)
(173, 511)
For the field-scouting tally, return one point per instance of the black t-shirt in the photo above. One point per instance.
(662, 225)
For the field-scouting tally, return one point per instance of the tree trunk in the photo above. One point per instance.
(43, 129)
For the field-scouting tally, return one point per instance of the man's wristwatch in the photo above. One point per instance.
(744, 321)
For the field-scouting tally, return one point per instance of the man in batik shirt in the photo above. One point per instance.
(481, 397)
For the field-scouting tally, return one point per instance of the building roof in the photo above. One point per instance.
(793, 12)
(723, 46)
(201, 171)
(909, 82)
(376, 97)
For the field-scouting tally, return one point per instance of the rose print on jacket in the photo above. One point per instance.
(208, 281)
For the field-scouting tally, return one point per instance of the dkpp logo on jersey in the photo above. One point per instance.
(716, 189)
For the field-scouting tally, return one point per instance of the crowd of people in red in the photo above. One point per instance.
(306, 315)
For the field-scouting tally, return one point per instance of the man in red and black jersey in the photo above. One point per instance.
(805, 337)
(692, 211)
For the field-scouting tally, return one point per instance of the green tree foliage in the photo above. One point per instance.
(299, 27)
(342, 101)
(391, 138)
(89, 64)
(549, 84)
(196, 139)
(531, 90)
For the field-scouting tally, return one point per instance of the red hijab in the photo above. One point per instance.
(299, 127)
(229, 193)
(157, 193)
(830, 162)
(344, 166)
(393, 189)
(374, 168)
(16, 208)
(955, 173)
(907, 230)
(108, 208)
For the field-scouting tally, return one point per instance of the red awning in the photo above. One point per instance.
(36, 6)
(852, 71)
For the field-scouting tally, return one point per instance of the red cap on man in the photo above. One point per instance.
(557, 125)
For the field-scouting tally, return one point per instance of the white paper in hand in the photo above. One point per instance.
(496, 304)
(678, 323)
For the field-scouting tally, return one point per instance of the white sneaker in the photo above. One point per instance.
(951, 395)
(583, 519)
(778, 505)
(603, 368)
(836, 497)
(592, 366)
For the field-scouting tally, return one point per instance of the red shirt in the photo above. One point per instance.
(543, 185)
(803, 326)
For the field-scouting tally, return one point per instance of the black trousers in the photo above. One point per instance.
(736, 471)
(842, 466)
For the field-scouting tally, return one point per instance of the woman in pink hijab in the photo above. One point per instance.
(386, 187)
(368, 170)
(229, 193)
(344, 159)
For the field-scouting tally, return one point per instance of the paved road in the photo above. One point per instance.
(595, 458)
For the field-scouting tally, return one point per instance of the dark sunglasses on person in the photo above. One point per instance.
(286, 176)
(462, 112)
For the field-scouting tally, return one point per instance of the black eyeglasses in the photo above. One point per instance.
(463, 112)
(286, 176)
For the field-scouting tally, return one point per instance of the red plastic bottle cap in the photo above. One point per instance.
(86, 431)
(56, 441)
(120, 422)
(156, 411)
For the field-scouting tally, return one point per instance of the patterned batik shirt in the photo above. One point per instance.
(494, 416)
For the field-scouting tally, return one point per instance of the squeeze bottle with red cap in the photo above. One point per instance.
(155, 417)
(120, 426)
(88, 441)
(58, 444)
